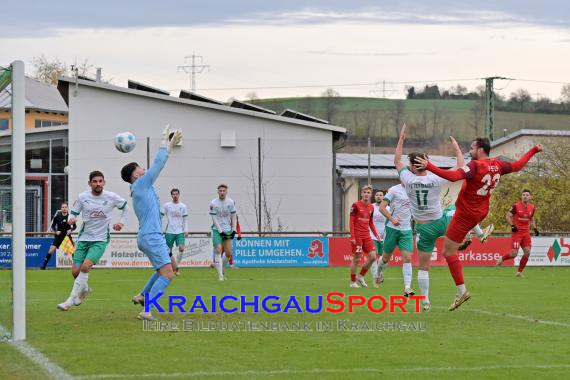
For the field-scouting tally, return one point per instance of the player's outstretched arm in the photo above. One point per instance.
(521, 162)
(459, 160)
(452, 175)
(161, 157)
(399, 149)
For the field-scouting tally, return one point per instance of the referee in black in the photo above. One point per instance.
(61, 229)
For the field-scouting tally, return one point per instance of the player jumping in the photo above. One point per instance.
(150, 239)
(424, 192)
(481, 175)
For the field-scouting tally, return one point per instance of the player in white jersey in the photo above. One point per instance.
(424, 191)
(398, 233)
(380, 225)
(223, 213)
(176, 230)
(96, 209)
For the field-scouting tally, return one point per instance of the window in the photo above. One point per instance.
(4, 124)
(48, 123)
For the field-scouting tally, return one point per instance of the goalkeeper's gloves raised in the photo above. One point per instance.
(170, 139)
(536, 232)
(514, 228)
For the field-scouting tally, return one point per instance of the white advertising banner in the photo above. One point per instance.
(548, 251)
(123, 253)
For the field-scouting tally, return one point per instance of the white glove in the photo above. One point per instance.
(170, 142)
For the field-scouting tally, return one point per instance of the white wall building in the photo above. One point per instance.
(220, 145)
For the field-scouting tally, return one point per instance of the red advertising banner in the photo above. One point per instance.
(477, 254)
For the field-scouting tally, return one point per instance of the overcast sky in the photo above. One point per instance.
(360, 48)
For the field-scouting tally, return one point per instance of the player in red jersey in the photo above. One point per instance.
(481, 175)
(521, 217)
(361, 223)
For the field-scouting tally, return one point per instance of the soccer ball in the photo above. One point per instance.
(125, 142)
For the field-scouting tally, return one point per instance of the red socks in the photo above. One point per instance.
(363, 271)
(507, 256)
(522, 264)
(231, 261)
(455, 268)
(353, 277)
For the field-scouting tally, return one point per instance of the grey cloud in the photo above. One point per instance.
(39, 18)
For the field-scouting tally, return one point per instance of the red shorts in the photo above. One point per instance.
(363, 245)
(460, 225)
(521, 239)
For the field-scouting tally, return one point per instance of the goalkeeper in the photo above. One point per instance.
(223, 213)
(146, 203)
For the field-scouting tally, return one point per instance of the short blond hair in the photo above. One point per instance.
(367, 187)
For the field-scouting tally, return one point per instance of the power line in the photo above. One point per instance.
(541, 81)
(376, 84)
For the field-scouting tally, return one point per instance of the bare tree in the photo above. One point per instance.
(520, 97)
(270, 222)
(332, 101)
(477, 116)
(397, 115)
(252, 97)
(49, 71)
(565, 93)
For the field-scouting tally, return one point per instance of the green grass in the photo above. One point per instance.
(479, 340)
(456, 115)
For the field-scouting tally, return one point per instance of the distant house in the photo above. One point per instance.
(46, 154)
(515, 144)
(44, 106)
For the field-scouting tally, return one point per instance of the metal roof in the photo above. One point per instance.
(529, 132)
(299, 115)
(143, 87)
(251, 107)
(224, 108)
(199, 98)
(39, 97)
(374, 173)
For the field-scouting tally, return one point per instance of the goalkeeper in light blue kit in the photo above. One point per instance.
(146, 203)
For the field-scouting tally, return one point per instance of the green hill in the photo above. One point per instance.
(429, 121)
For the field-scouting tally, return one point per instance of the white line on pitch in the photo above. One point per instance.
(52, 369)
(512, 316)
(318, 371)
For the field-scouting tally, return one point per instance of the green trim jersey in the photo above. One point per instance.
(424, 192)
(176, 214)
(400, 207)
(379, 222)
(222, 210)
(96, 212)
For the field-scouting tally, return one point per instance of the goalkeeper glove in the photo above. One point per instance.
(169, 141)
(514, 228)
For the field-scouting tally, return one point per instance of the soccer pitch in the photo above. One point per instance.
(511, 328)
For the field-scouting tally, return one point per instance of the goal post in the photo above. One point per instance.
(18, 201)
